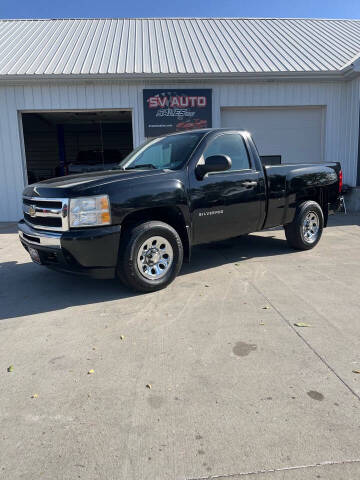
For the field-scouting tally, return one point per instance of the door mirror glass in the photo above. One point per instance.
(215, 163)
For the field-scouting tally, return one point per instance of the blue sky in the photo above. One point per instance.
(175, 8)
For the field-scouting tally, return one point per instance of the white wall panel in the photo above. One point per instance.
(341, 102)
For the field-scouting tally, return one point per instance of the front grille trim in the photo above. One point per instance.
(45, 212)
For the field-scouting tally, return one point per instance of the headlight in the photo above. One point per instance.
(90, 211)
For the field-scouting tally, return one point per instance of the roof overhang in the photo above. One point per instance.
(348, 73)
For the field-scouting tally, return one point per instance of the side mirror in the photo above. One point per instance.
(215, 163)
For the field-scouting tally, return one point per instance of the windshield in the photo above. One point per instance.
(170, 152)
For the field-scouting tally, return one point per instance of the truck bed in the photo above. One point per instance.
(287, 184)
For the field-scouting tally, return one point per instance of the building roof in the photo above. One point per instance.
(177, 46)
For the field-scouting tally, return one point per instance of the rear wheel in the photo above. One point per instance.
(305, 231)
(151, 256)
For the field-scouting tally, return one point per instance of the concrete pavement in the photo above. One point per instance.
(237, 391)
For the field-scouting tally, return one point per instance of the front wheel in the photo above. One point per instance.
(305, 231)
(151, 256)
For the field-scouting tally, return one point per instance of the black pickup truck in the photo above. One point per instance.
(139, 220)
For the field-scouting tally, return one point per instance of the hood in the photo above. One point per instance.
(79, 184)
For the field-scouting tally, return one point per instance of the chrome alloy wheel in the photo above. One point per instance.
(154, 257)
(310, 227)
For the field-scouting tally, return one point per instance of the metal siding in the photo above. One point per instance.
(349, 130)
(341, 101)
(176, 45)
(11, 167)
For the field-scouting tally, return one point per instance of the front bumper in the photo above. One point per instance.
(89, 251)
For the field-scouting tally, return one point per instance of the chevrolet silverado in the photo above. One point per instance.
(140, 220)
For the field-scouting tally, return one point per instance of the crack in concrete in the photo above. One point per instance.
(308, 344)
(283, 317)
(274, 470)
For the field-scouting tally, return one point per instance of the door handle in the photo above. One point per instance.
(249, 184)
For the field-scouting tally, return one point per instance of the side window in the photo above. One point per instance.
(233, 145)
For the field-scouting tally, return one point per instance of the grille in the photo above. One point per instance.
(46, 213)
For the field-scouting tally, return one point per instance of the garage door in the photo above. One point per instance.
(294, 134)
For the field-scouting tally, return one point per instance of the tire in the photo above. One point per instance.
(305, 231)
(147, 267)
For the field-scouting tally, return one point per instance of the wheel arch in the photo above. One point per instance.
(171, 215)
(316, 194)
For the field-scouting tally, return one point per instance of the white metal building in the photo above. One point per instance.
(293, 83)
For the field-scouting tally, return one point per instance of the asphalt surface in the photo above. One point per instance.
(237, 391)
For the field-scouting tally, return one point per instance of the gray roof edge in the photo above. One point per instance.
(262, 76)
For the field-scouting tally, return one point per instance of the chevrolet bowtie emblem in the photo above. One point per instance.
(32, 211)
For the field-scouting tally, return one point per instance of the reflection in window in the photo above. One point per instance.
(231, 144)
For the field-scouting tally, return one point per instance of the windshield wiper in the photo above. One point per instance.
(145, 165)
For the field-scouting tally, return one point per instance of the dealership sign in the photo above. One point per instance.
(167, 111)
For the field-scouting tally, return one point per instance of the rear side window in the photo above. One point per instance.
(231, 144)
